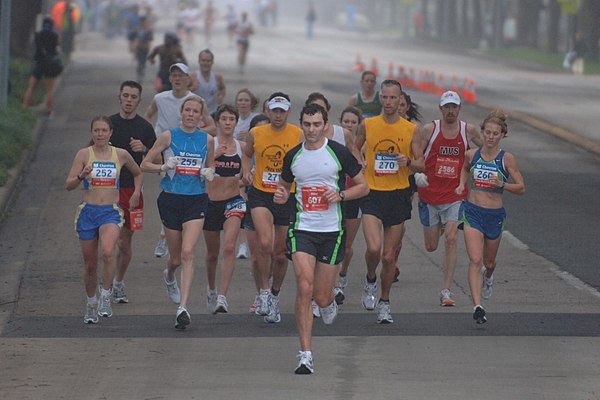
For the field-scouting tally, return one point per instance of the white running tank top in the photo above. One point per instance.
(338, 134)
(208, 90)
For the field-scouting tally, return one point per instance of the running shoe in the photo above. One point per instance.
(446, 298)
(263, 303)
(104, 307)
(274, 316)
(254, 306)
(343, 281)
(329, 313)
(487, 284)
(315, 309)
(221, 305)
(305, 363)
(91, 313)
(211, 300)
(119, 295)
(384, 313)
(161, 249)
(172, 288)
(242, 251)
(368, 297)
(339, 296)
(183, 319)
(479, 315)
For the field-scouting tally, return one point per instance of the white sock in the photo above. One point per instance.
(92, 300)
(104, 292)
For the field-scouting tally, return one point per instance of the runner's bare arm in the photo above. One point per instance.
(360, 188)
(417, 163)
(464, 172)
(517, 186)
(151, 112)
(351, 145)
(78, 170)
(210, 127)
(247, 153)
(210, 153)
(474, 135)
(361, 137)
(282, 193)
(194, 83)
(353, 100)
(150, 164)
(425, 134)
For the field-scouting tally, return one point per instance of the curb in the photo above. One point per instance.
(580, 141)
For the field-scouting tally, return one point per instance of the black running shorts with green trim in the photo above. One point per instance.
(326, 247)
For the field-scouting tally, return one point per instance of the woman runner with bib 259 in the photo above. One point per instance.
(488, 170)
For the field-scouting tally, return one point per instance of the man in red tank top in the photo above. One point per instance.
(444, 143)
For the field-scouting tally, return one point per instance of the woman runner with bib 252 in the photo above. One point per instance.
(99, 218)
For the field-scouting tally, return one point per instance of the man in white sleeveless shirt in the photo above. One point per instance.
(208, 84)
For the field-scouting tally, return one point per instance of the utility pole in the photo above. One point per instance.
(4, 50)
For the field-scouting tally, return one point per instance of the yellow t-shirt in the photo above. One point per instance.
(383, 141)
(269, 149)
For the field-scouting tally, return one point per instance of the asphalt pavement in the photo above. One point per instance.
(541, 341)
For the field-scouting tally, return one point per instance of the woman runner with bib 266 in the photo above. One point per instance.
(488, 170)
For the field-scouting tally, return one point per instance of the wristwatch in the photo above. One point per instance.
(342, 195)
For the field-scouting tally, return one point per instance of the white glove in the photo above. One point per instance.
(208, 173)
(421, 179)
(171, 163)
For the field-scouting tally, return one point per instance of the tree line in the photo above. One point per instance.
(548, 25)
